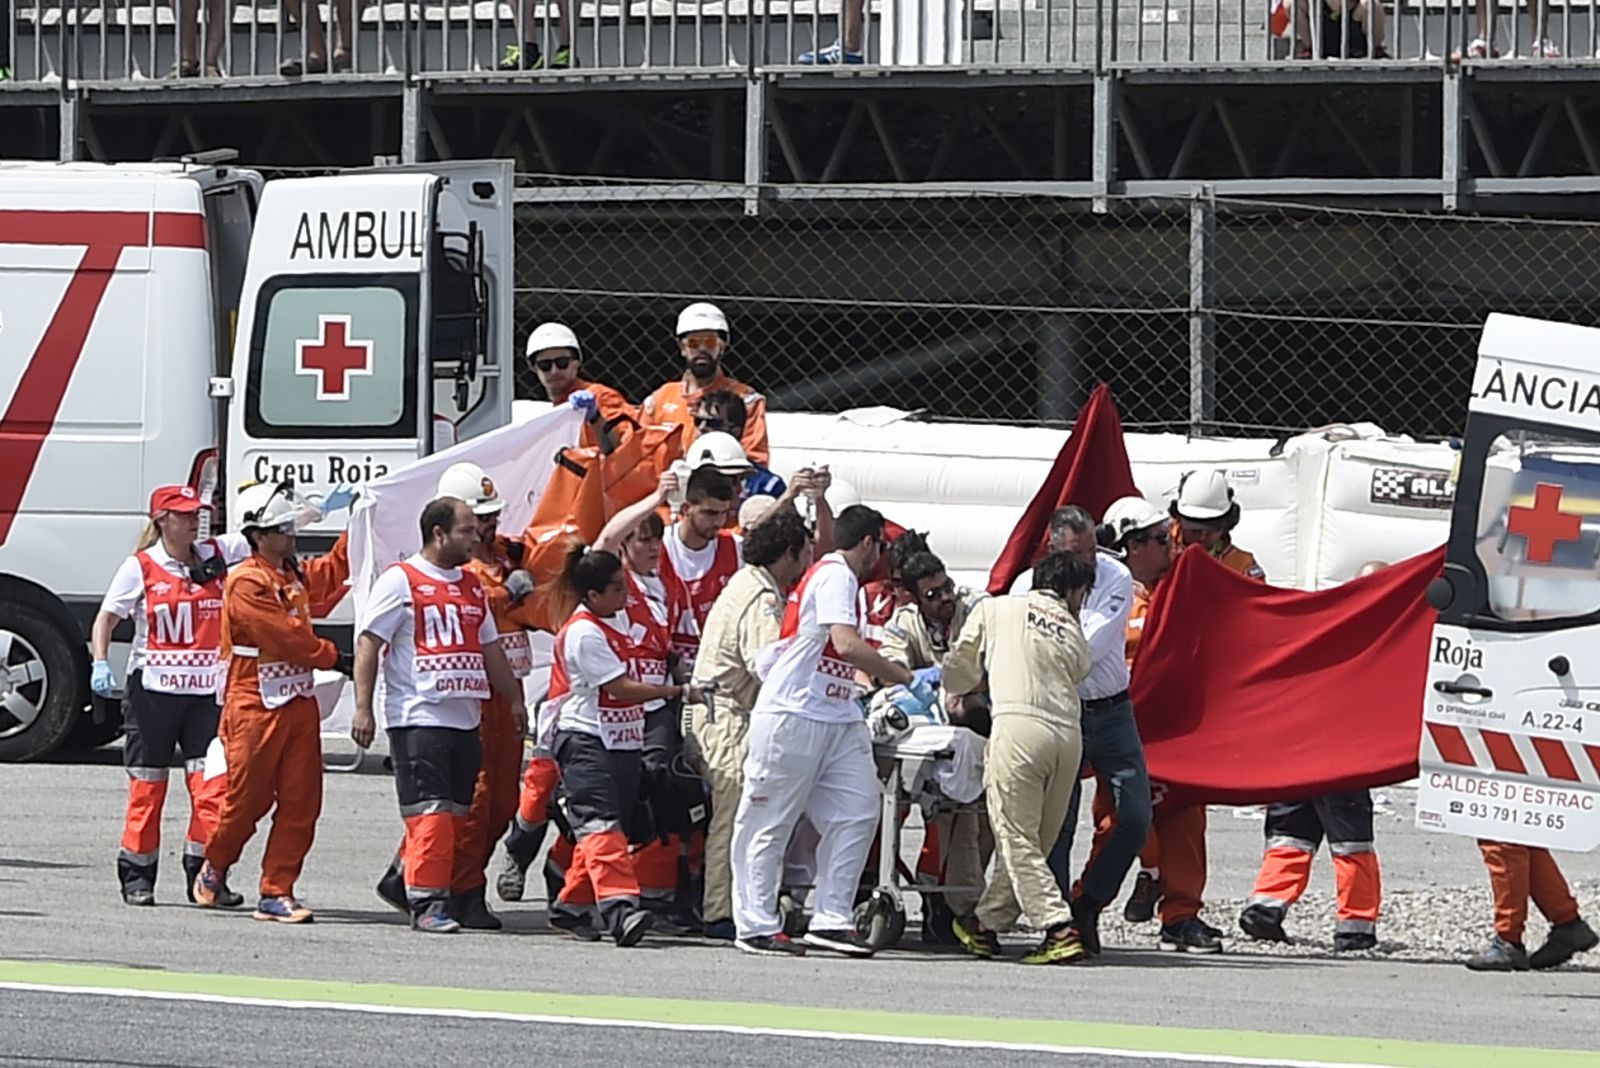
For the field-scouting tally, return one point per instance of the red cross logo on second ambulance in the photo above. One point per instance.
(1544, 524)
(334, 357)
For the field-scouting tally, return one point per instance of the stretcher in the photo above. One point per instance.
(939, 770)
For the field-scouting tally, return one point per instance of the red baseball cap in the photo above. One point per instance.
(176, 499)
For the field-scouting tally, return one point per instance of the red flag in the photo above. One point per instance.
(1091, 470)
(1247, 693)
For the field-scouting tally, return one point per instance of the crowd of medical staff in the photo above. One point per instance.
(726, 652)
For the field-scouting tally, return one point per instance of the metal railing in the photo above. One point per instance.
(117, 40)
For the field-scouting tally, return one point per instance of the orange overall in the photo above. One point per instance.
(1519, 872)
(674, 402)
(616, 414)
(271, 726)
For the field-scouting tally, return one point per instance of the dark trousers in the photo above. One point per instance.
(600, 788)
(435, 770)
(158, 725)
(1112, 748)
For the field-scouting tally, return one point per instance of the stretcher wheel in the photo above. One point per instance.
(881, 919)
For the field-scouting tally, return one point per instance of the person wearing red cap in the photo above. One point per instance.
(171, 587)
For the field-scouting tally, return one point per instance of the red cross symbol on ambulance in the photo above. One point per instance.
(1544, 524)
(334, 357)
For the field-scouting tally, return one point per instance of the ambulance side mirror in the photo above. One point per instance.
(1440, 594)
(1454, 587)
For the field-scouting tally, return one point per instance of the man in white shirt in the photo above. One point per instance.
(430, 624)
(698, 552)
(1111, 743)
(809, 751)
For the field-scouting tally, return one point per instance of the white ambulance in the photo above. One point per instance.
(189, 322)
(1510, 746)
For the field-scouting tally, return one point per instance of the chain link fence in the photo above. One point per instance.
(1204, 314)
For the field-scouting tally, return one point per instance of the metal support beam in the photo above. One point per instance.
(1453, 141)
(413, 138)
(67, 136)
(757, 94)
(1202, 314)
(1103, 163)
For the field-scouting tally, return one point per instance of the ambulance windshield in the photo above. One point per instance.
(1538, 531)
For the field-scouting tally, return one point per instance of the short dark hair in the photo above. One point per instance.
(1063, 572)
(708, 482)
(439, 512)
(855, 525)
(1071, 517)
(652, 524)
(903, 548)
(728, 406)
(591, 571)
(778, 532)
(917, 567)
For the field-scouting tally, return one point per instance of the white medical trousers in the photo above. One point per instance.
(803, 767)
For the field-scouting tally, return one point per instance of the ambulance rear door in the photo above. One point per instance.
(1510, 747)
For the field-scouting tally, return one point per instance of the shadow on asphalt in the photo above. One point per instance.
(38, 865)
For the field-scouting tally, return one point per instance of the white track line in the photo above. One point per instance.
(697, 1028)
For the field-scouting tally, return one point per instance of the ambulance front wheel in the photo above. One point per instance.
(40, 685)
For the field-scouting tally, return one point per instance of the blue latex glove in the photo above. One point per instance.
(585, 402)
(338, 497)
(930, 675)
(924, 692)
(101, 679)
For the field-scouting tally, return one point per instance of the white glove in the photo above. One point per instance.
(519, 584)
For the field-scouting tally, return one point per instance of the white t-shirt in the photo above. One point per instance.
(805, 675)
(590, 663)
(691, 565)
(1104, 618)
(392, 617)
(125, 598)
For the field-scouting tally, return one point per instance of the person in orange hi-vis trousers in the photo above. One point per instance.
(702, 334)
(271, 725)
(1517, 873)
(595, 721)
(172, 588)
(501, 730)
(429, 622)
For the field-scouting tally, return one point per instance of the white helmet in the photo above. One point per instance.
(552, 336)
(266, 505)
(719, 450)
(702, 316)
(1130, 515)
(468, 482)
(1204, 495)
(841, 495)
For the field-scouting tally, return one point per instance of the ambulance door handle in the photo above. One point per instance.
(1455, 687)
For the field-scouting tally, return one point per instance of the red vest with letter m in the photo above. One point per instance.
(183, 631)
(835, 676)
(449, 664)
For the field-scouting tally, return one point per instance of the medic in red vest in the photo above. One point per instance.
(172, 589)
(700, 554)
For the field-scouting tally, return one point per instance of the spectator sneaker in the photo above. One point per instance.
(512, 880)
(1263, 923)
(634, 926)
(832, 56)
(563, 59)
(282, 909)
(1189, 936)
(1563, 941)
(523, 56)
(1141, 906)
(211, 889)
(840, 940)
(1060, 946)
(435, 919)
(1501, 956)
(1354, 941)
(778, 945)
(977, 939)
(5, 73)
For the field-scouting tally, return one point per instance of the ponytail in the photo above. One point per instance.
(148, 536)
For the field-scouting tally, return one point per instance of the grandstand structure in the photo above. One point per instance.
(1090, 99)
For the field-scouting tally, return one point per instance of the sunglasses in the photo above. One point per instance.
(939, 593)
(706, 340)
(1162, 538)
(558, 362)
(710, 422)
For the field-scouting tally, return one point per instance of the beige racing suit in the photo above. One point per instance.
(957, 849)
(746, 616)
(1034, 654)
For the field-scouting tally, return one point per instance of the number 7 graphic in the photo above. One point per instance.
(36, 402)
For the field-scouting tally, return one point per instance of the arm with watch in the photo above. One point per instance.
(626, 689)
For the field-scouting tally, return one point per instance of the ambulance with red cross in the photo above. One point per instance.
(189, 321)
(1510, 747)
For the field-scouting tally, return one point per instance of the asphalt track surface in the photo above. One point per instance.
(85, 980)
